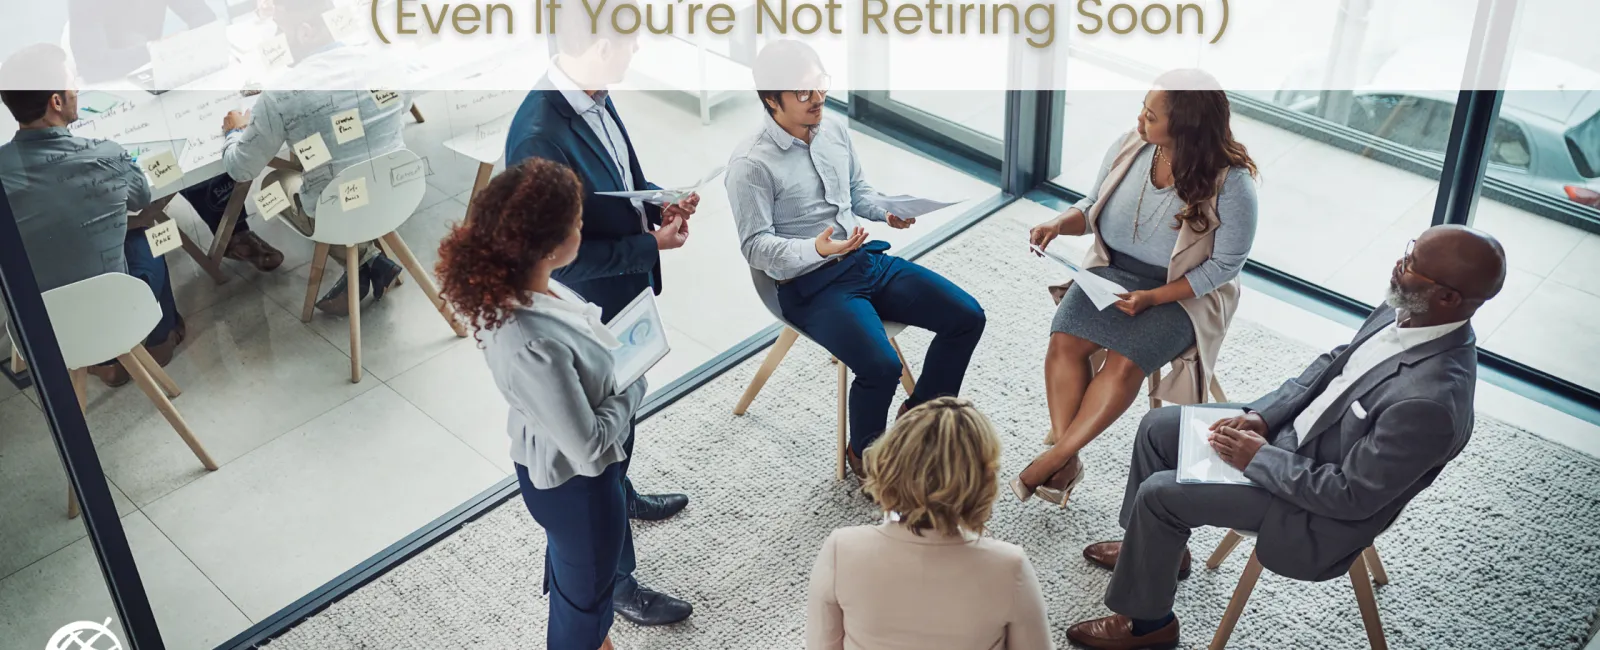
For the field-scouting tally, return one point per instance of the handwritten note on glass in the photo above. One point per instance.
(271, 200)
(347, 126)
(353, 194)
(163, 237)
(312, 152)
(414, 171)
(162, 169)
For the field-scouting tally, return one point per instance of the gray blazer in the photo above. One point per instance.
(1349, 479)
(567, 418)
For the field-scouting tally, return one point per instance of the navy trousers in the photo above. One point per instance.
(153, 271)
(842, 307)
(588, 551)
(210, 201)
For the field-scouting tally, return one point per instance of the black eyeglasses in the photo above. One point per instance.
(805, 95)
(1408, 265)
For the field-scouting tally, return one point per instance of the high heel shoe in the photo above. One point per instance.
(1050, 490)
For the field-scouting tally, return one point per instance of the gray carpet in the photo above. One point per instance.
(1503, 551)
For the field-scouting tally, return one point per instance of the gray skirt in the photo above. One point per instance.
(1152, 339)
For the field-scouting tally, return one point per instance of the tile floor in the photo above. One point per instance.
(317, 474)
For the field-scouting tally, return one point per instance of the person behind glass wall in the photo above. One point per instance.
(935, 474)
(570, 118)
(799, 194)
(1173, 214)
(571, 425)
(71, 196)
(109, 39)
(325, 67)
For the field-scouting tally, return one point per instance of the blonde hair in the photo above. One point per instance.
(937, 467)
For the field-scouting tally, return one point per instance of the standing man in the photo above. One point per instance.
(798, 193)
(1335, 453)
(569, 118)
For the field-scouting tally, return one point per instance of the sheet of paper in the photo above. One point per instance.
(187, 56)
(163, 237)
(312, 152)
(906, 206)
(162, 169)
(353, 194)
(666, 196)
(347, 126)
(1197, 461)
(271, 200)
(385, 98)
(644, 339)
(1101, 292)
(275, 53)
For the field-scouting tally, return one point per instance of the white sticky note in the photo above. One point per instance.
(341, 22)
(162, 169)
(385, 98)
(163, 237)
(271, 200)
(312, 152)
(275, 53)
(353, 194)
(347, 126)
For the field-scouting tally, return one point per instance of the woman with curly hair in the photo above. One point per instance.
(927, 577)
(571, 426)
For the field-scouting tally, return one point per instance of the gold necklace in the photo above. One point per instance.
(1138, 210)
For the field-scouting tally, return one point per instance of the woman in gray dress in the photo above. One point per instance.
(1178, 181)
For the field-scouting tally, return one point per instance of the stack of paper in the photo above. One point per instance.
(666, 196)
(1197, 461)
(1102, 292)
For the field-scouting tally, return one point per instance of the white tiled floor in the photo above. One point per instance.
(318, 474)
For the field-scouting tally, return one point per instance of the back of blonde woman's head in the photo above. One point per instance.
(937, 467)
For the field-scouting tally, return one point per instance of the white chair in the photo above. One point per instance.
(767, 289)
(1359, 579)
(108, 317)
(387, 208)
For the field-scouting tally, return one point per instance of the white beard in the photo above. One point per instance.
(1413, 303)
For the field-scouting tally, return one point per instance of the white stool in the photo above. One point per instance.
(1365, 599)
(388, 207)
(108, 317)
(767, 289)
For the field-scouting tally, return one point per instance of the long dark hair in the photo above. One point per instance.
(520, 217)
(1198, 119)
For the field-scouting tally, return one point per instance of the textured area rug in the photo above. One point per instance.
(1502, 552)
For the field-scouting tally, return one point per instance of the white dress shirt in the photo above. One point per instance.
(1388, 342)
(606, 129)
(574, 310)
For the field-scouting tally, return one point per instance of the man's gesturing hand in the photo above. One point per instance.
(1236, 446)
(827, 246)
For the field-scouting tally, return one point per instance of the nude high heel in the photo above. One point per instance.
(1052, 493)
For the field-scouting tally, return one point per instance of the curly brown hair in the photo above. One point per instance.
(523, 215)
(1203, 145)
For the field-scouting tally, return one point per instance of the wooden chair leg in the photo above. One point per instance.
(905, 369)
(168, 411)
(421, 275)
(485, 172)
(416, 113)
(168, 386)
(1216, 391)
(1368, 602)
(1229, 542)
(80, 380)
(1375, 565)
(352, 270)
(1241, 595)
(18, 365)
(1151, 389)
(72, 503)
(319, 263)
(780, 348)
(844, 419)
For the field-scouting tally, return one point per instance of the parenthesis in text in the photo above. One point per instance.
(1220, 32)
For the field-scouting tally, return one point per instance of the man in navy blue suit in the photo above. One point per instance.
(570, 119)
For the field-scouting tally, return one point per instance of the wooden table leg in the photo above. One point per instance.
(230, 220)
(416, 113)
(352, 291)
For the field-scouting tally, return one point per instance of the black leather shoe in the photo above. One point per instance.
(655, 507)
(642, 606)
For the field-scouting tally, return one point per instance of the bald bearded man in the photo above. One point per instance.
(1335, 453)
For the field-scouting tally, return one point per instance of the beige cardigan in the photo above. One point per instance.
(884, 588)
(1210, 313)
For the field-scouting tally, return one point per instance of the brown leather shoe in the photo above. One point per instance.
(162, 352)
(1115, 632)
(854, 461)
(250, 247)
(111, 374)
(1104, 555)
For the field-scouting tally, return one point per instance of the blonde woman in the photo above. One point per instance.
(926, 577)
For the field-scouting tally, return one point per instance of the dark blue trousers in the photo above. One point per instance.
(588, 551)
(153, 271)
(210, 201)
(842, 307)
